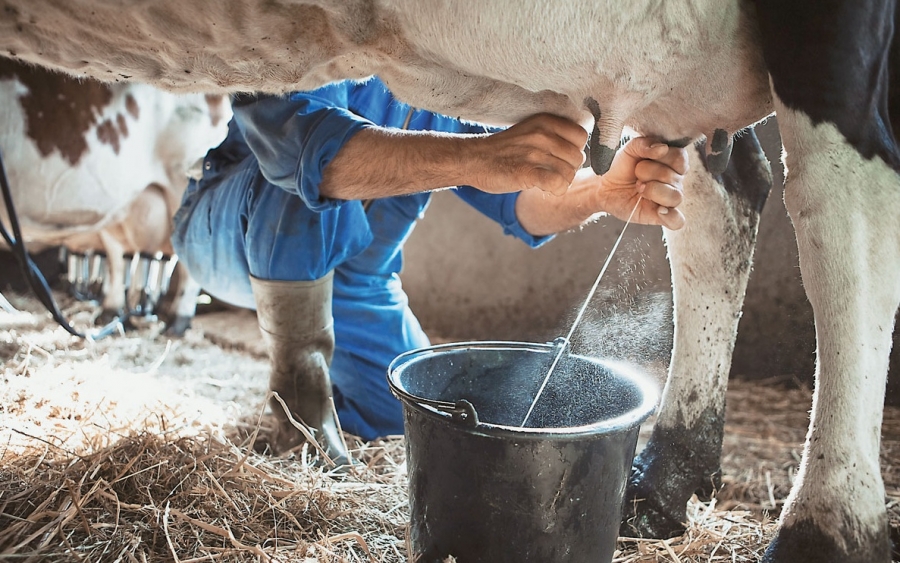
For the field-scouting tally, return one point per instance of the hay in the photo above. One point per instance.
(152, 497)
(712, 535)
(141, 448)
(155, 497)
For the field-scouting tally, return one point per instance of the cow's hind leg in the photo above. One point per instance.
(844, 208)
(710, 260)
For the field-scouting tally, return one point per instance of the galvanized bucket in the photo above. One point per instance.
(484, 489)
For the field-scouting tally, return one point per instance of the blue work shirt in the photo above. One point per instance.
(258, 211)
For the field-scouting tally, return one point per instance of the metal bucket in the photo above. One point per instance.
(483, 489)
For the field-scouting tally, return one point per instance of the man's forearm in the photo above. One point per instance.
(544, 151)
(379, 162)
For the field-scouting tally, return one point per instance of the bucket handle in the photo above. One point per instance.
(462, 411)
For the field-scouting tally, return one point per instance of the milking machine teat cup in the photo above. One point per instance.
(145, 278)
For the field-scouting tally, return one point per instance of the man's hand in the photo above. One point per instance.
(544, 151)
(643, 169)
(650, 170)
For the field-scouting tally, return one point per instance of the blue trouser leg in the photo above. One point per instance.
(237, 225)
(373, 325)
(208, 235)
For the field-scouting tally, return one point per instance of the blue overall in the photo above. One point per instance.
(257, 211)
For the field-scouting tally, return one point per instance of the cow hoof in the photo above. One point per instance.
(805, 542)
(675, 464)
(650, 511)
(178, 326)
(643, 520)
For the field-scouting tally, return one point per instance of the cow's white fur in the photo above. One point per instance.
(710, 271)
(844, 212)
(641, 61)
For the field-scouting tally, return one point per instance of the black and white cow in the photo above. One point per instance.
(677, 69)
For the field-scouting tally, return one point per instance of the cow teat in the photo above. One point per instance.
(718, 151)
(604, 141)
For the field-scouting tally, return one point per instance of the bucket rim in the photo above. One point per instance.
(631, 419)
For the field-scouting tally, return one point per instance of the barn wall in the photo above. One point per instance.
(466, 280)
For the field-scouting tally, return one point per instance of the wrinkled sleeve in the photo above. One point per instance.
(502, 209)
(297, 136)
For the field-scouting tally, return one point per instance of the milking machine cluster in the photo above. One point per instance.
(146, 278)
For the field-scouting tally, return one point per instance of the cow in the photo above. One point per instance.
(100, 169)
(680, 70)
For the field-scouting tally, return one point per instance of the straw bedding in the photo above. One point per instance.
(141, 448)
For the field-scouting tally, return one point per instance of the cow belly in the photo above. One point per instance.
(74, 201)
(687, 66)
(695, 61)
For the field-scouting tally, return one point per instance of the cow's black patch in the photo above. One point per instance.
(805, 542)
(748, 174)
(833, 60)
(676, 463)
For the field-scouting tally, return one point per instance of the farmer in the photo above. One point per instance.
(302, 213)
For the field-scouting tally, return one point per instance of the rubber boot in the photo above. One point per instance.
(296, 324)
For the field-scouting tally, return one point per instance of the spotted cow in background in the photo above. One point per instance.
(96, 167)
(677, 69)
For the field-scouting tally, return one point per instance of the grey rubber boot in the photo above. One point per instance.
(296, 324)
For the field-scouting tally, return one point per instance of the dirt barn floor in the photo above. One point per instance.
(141, 448)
